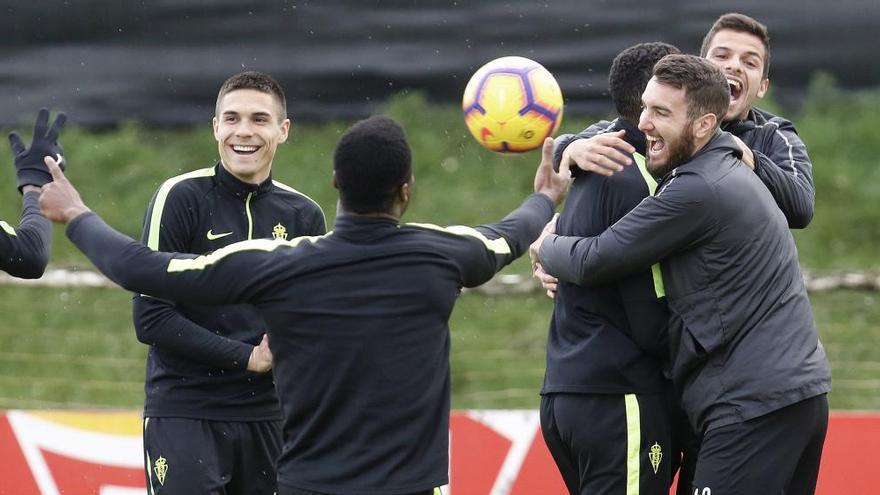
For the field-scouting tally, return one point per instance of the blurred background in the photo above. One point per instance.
(139, 81)
(161, 62)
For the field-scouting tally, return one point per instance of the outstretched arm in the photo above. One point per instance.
(658, 227)
(24, 251)
(179, 277)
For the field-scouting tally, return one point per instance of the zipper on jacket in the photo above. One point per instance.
(247, 210)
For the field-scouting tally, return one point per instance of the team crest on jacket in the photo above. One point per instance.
(655, 456)
(279, 232)
(160, 467)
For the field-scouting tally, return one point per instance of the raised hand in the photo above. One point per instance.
(59, 200)
(29, 166)
(553, 184)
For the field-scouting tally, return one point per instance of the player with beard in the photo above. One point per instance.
(745, 353)
(740, 46)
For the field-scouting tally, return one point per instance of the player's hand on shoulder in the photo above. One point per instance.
(548, 182)
(603, 154)
(748, 156)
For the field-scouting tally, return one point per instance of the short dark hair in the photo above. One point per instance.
(706, 89)
(258, 81)
(630, 72)
(740, 23)
(372, 160)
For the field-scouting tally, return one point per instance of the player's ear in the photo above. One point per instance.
(763, 88)
(405, 192)
(215, 124)
(333, 181)
(286, 126)
(404, 195)
(705, 125)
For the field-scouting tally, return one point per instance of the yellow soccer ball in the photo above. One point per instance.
(511, 104)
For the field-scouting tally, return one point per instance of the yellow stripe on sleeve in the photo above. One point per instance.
(7, 228)
(162, 196)
(177, 265)
(290, 189)
(497, 246)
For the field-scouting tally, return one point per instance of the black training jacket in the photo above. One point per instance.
(197, 362)
(781, 161)
(610, 338)
(742, 335)
(24, 251)
(358, 325)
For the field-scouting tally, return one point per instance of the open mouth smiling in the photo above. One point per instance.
(655, 144)
(244, 149)
(736, 89)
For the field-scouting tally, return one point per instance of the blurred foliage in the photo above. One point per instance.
(457, 181)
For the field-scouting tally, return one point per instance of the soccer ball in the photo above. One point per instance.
(511, 104)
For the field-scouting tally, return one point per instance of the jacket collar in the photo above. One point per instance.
(238, 188)
(721, 141)
(364, 227)
(756, 117)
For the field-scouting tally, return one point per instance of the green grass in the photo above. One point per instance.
(76, 348)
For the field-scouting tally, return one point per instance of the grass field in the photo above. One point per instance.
(78, 350)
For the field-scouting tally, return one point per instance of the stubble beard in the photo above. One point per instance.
(679, 154)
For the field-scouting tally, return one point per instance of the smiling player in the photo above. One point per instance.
(211, 415)
(740, 46)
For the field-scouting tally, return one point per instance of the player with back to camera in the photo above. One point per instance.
(24, 252)
(606, 408)
(358, 319)
(745, 352)
(211, 414)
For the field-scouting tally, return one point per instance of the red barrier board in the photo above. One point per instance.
(492, 453)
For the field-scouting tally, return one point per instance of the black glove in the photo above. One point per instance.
(29, 166)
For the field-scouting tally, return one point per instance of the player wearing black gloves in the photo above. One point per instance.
(24, 252)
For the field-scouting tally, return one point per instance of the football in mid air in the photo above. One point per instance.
(511, 104)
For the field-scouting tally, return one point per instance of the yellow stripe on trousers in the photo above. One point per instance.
(633, 443)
